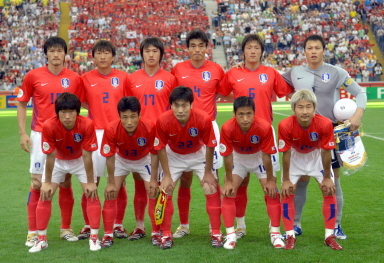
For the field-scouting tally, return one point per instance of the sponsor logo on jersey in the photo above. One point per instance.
(206, 75)
(77, 137)
(313, 136)
(45, 146)
(106, 149)
(254, 139)
(141, 141)
(193, 132)
(281, 144)
(325, 77)
(115, 82)
(331, 144)
(65, 83)
(223, 148)
(159, 84)
(263, 78)
(93, 145)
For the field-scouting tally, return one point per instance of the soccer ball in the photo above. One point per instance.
(344, 109)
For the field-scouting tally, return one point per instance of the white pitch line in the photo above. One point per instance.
(367, 135)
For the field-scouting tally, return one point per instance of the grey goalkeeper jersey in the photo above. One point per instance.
(325, 82)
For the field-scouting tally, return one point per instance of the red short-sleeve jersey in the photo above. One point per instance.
(184, 139)
(69, 143)
(131, 147)
(152, 91)
(258, 138)
(102, 93)
(319, 135)
(44, 87)
(259, 85)
(203, 81)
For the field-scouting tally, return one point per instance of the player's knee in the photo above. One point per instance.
(36, 183)
(209, 189)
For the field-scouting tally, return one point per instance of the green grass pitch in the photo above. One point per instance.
(362, 219)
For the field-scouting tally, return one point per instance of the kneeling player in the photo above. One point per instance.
(127, 144)
(247, 142)
(185, 141)
(68, 140)
(306, 140)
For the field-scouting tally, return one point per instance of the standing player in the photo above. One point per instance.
(258, 82)
(247, 142)
(43, 85)
(128, 146)
(306, 140)
(103, 87)
(68, 140)
(152, 86)
(203, 76)
(185, 141)
(325, 81)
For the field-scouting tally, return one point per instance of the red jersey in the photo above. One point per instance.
(132, 147)
(69, 143)
(103, 93)
(204, 82)
(184, 139)
(258, 138)
(319, 135)
(259, 85)
(152, 91)
(44, 87)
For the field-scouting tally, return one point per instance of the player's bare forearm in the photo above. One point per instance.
(49, 164)
(326, 158)
(25, 142)
(209, 159)
(154, 167)
(268, 166)
(110, 162)
(228, 164)
(167, 182)
(286, 164)
(88, 166)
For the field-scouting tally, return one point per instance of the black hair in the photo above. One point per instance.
(55, 42)
(129, 103)
(197, 34)
(181, 93)
(315, 38)
(152, 41)
(251, 38)
(243, 101)
(103, 45)
(67, 101)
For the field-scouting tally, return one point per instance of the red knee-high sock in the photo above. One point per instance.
(140, 200)
(329, 211)
(273, 209)
(228, 210)
(109, 215)
(288, 211)
(94, 212)
(33, 199)
(183, 202)
(66, 202)
(213, 206)
(84, 209)
(43, 214)
(151, 213)
(122, 200)
(167, 222)
(241, 201)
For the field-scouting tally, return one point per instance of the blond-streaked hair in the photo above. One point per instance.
(303, 95)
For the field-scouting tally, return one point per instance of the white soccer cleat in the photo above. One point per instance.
(38, 246)
(68, 235)
(94, 244)
(230, 241)
(31, 239)
(240, 232)
(181, 231)
(277, 240)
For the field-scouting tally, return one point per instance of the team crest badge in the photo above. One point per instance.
(159, 84)
(77, 137)
(193, 132)
(313, 136)
(254, 139)
(325, 77)
(141, 141)
(115, 82)
(206, 75)
(263, 78)
(65, 83)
